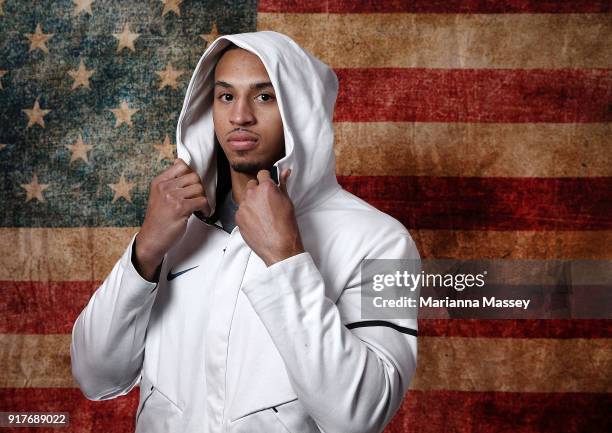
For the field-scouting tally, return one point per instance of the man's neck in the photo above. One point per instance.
(239, 181)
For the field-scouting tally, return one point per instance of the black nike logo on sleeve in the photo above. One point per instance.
(172, 276)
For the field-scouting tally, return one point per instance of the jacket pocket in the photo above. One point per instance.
(260, 420)
(294, 417)
(156, 413)
(146, 389)
(286, 417)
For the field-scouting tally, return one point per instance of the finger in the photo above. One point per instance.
(198, 204)
(190, 178)
(263, 176)
(191, 191)
(283, 180)
(252, 183)
(179, 168)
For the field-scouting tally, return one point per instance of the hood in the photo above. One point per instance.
(306, 91)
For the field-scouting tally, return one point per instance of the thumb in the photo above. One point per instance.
(283, 180)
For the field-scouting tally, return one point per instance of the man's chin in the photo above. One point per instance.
(248, 167)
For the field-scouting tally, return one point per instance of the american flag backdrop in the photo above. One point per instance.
(483, 126)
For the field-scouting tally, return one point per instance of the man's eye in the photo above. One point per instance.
(270, 97)
(267, 96)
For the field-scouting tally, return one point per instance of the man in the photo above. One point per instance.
(236, 307)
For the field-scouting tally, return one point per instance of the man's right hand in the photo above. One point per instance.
(174, 195)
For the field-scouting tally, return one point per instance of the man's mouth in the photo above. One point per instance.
(242, 144)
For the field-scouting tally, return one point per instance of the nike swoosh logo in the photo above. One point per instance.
(172, 276)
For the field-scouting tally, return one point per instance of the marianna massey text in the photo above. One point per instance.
(406, 302)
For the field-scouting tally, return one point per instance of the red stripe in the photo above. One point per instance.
(502, 412)
(432, 6)
(31, 307)
(500, 328)
(421, 411)
(474, 95)
(52, 308)
(492, 203)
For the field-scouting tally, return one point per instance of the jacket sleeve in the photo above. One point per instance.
(349, 378)
(108, 336)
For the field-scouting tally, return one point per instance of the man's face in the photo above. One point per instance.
(245, 103)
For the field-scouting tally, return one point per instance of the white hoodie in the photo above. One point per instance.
(232, 345)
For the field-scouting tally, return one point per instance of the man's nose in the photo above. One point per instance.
(242, 113)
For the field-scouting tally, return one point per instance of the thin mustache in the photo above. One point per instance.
(243, 130)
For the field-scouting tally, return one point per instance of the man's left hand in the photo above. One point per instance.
(266, 219)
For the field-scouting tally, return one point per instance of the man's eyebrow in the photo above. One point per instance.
(252, 86)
